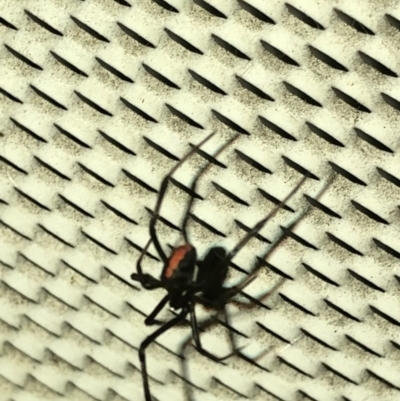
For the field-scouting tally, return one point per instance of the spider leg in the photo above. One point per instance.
(282, 236)
(146, 342)
(232, 339)
(226, 294)
(259, 300)
(148, 282)
(161, 194)
(262, 222)
(151, 318)
(185, 368)
(231, 292)
(196, 337)
(194, 186)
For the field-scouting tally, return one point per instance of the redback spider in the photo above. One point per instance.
(188, 280)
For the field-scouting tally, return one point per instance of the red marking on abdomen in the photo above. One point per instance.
(177, 255)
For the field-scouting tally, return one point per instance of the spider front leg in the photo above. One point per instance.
(146, 280)
(193, 188)
(161, 194)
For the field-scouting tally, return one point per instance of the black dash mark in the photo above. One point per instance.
(256, 12)
(10, 96)
(324, 135)
(116, 143)
(350, 101)
(89, 30)
(8, 24)
(113, 70)
(346, 174)
(43, 24)
(299, 168)
(377, 65)
(206, 83)
(23, 58)
(160, 149)
(372, 141)
(302, 95)
(31, 199)
(369, 213)
(13, 165)
(252, 162)
(327, 59)
(155, 74)
(98, 243)
(366, 282)
(229, 123)
(321, 276)
(136, 110)
(75, 206)
(28, 131)
(139, 181)
(343, 244)
(72, 137)
(274, 200)
(322, 207)
(279, 54)
(275, 128)
(68, 65)
(184, 43)
(183, 117)
(48, 98)
(252, 88)
(57, 237)
(92, 104)
(95, 175)
(207, 226)
(118, 213)
(209, 8)
(353, 23)
(304, 17)
(229, 194)
(341, 311)
(230, 48)
(135, 36)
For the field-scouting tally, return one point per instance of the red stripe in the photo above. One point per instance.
(177, 256)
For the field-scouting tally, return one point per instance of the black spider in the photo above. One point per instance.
(188, 280)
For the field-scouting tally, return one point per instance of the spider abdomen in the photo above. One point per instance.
(180, 265)
(213, 270)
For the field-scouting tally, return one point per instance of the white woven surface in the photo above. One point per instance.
(75, 108)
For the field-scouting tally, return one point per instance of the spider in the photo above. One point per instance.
(188, 280)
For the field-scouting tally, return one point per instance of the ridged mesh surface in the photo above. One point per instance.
(99, 99)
